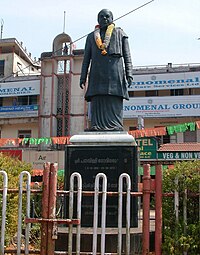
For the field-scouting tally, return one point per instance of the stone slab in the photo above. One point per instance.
(103, 138)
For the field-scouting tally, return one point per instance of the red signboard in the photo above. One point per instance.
(13, 153)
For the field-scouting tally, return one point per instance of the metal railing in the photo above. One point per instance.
(120, 191)
(71, 209)
(27, 230)
(4, 201)
(103, 213)
(49, 221)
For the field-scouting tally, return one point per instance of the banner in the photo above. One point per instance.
(19, 111)
(20, 88)
(151, 107)
(180, 80)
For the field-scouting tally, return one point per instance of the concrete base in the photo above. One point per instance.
(103, 138)
(110, 245)
(111, 153)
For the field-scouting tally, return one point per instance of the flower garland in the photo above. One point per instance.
(103, 45)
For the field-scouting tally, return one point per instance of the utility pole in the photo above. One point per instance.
(64, 22)
(140, 123)
(2, 23)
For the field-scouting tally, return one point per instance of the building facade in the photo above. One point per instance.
(165, 96)
(62, 107)
(19, 90)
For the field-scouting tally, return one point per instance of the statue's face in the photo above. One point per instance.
(105, 18)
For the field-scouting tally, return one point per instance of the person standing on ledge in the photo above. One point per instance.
(108, 56)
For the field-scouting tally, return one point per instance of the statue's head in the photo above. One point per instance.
(105, 18)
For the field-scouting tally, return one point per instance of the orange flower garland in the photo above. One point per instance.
(103, 45)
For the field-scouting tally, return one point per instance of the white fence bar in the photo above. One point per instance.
(71, 209)
(120, 206)
(103, 213)
(4, 202)
(27, 230)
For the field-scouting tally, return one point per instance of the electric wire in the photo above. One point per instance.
(80, 38)
(21, 70)
(139, 7)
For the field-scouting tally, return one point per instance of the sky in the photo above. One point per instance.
(164, 31)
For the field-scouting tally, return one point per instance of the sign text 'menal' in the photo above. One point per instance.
(162, 82)
(23, 90)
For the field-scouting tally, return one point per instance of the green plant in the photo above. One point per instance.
(35, 236)
(13, 168)
(60, 181)
(182, 235)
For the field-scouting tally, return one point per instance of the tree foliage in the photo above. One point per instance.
(13, 167)
(182, 235)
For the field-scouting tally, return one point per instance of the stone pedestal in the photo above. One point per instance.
(111, 153)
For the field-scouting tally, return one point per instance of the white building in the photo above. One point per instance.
(165, 96)
(62, 107)
(19, 90)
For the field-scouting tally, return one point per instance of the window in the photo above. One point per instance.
(27, 100)
(189, 91)
(14, 101)
(24, 133)
(166, 139)
(63, 66)
(131, 93)
(190, 136)
(32, 99)
(176, 92)
(1, 101)
(151, 93)
(2, 63)
(22, 100)
(163, 139)
(19, 69)
(132, 128)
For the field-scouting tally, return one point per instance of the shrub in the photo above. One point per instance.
(180, 235)
(13, 168)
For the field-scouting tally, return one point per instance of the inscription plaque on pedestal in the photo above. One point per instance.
(112, 161)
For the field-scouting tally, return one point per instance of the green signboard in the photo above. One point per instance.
(180, 155)
(147, 148)
(152, 169)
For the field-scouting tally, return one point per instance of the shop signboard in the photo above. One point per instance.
(20, 88)
(171, 106)
(38, 158)
(147, 148)
(180, 80)
(13, 153)
(179, 155)
(19, 111)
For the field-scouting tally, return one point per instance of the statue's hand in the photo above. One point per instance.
(82, 84)
(129, 79)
